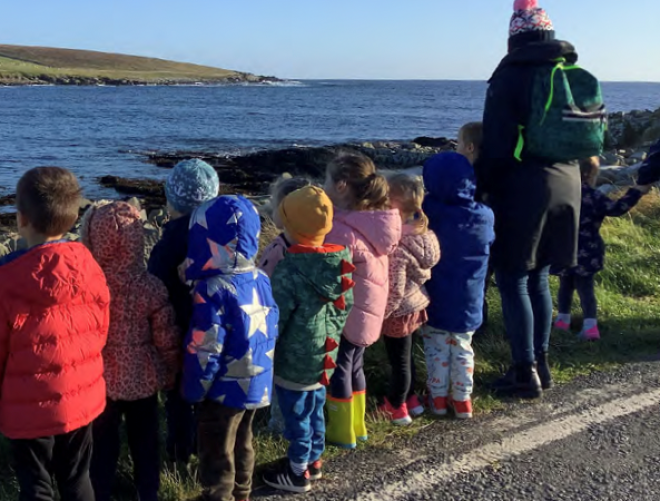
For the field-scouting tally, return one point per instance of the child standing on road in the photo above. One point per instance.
(53, 326)
(142, 354)
(313, 288)
(465, 230)
(596, 206)
(191, 183)
(371, 231)
(228, 364)
(409, 269)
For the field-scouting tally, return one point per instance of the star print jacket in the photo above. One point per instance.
(314, 290)
(230, 346)
(143, 352)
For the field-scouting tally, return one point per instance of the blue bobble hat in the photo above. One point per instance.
(192, 183)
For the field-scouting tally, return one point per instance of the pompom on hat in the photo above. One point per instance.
(529, 17)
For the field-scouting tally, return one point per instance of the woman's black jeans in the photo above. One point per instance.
(527, 310)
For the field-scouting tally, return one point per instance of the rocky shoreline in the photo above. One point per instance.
(100, 81)
(629, 136)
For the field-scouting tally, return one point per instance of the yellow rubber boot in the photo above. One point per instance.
(359, 413)
(339, 427)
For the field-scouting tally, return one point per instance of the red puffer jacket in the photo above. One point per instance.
(54, 317)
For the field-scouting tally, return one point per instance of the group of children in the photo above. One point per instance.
(89, 335)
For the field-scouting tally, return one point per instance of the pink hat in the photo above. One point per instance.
(528, 17)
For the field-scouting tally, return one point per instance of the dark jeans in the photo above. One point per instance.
(180, 426)
(349, 374)
(402, 380)
(527, 310)
(226, 452)
(585, 289)
(65, 457)
(304, 423)
(142, 431)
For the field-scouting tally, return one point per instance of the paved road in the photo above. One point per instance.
(595, 439)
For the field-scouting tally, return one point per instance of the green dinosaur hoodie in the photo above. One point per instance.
(313, 289)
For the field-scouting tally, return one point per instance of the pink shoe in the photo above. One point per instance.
(560, 325)
(415, 407)
(592, 334)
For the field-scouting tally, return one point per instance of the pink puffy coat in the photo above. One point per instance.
(410, 269)
(371, 236)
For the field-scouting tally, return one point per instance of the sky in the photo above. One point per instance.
(327, 39)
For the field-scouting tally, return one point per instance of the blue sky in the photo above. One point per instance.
(416, 39)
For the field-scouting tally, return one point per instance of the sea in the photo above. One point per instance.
(96, 131)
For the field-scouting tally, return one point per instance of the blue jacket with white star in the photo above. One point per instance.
(230, 346)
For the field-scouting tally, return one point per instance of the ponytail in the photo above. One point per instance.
(368, 189)
(409, 192)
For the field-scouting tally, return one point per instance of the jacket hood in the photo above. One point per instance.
(449, 177)
(114, 233)
(60, 273)
(327, 269)
(540, 53)
(223, 238)
(382, 229)
(422, 247)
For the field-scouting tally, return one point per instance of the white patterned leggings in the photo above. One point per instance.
(449, 362)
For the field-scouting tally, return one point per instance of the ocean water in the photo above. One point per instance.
(92, 130)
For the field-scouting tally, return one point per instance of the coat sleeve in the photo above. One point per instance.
(504, 112)
(4, 346)
(165, 333)
(398, 267)
(606, 207)
(272, 256)
(204, 346)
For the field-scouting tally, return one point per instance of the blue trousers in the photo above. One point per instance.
(304, 423)
(527, 310)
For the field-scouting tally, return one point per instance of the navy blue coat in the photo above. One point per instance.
(465, 230)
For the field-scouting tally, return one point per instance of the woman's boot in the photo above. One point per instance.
(543, 367)
(528, 384)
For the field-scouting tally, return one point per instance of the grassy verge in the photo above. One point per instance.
(628, 292)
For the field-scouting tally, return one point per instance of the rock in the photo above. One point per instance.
(611, 158)
(84, 204)
(638, 156)
(158, 217)
(607, 188)
(434, 142)
(633, 129)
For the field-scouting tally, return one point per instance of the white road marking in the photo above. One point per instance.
(519, 443)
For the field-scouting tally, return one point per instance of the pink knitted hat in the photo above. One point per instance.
(528, 16)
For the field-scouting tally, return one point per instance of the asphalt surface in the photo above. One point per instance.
(597, 438)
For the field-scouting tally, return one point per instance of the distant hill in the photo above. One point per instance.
(21, 65)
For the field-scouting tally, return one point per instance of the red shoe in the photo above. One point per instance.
(462, 410)
(415, 406)
(316, 470)
(398, 416)
(439, 406)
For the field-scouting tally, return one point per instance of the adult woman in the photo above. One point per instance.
(536, 202)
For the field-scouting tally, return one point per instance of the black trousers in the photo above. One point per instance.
(585, 288)
(181, 426)
(402, 381)
(142, 430)
(64, 457)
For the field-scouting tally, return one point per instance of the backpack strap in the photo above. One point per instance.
(520, 146)
(559, 66)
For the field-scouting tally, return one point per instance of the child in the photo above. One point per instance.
(596, 206)
(363, 224)
(272, 255)
(142, 354)
(191, 183)
(230, 346)
(456, 289)
(53, 326)
(410, 267)
(312, 286)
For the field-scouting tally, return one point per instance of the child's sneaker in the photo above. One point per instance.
(561, 325)
(592, 334)
(439, 405)
(398, 416)
(316, 470)
(462, 410)
(415, 406)
(284, 479)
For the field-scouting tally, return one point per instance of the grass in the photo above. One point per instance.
(628, 292)
(19, 63)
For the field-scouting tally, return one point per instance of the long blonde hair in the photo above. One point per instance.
(408, 191)
(368, 189)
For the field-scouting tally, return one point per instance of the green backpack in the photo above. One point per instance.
(568, 119)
